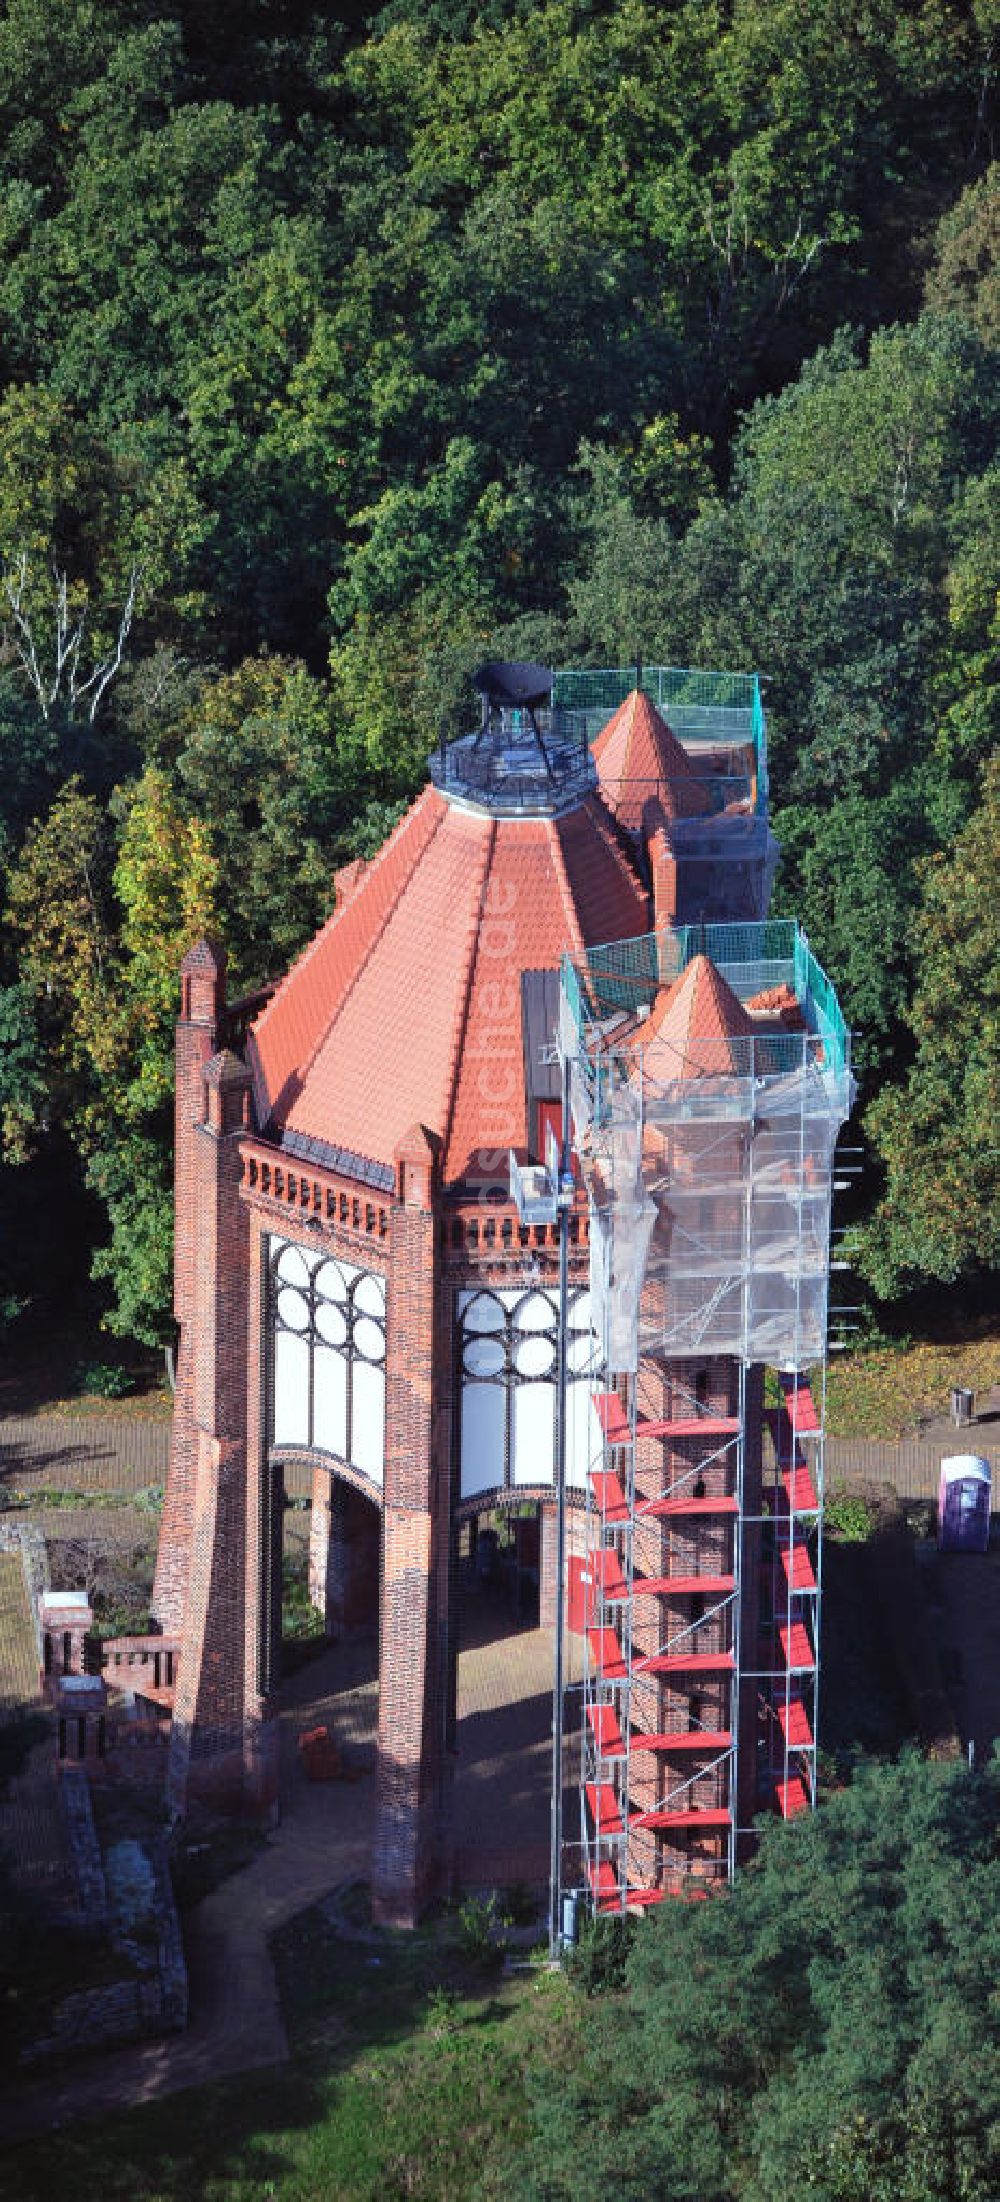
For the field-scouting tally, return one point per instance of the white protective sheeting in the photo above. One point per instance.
(328, 1355)
(508, 1351)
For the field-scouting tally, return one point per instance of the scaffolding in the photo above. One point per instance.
(706, 711)
(708, 1074)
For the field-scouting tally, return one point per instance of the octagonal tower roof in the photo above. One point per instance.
(406, 1008)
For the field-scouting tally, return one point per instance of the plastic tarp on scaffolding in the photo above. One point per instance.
(708, 1155)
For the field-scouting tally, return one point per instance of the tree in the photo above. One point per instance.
(937, 1134)
(90, 536)
(258, 770)
(964, 277)
(825, 2027)
(103, 998)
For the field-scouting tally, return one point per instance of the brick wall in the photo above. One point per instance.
(409, 1845)
(203, 995)
(208, 1731)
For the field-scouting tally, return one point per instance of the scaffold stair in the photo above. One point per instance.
(792, 1797)
(618, 1430)
(798, 1568)
(793, 1720)
(609, 1498)
(800, 1405)
(669, 1505)
(800, 1490)
(606, 1653)
(797, 1649)
(669, 1662)
(608, 1738)
(694, 1816)
(682, 1586)
(605, 1810)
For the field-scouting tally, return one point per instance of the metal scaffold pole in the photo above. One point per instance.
(565, 1202)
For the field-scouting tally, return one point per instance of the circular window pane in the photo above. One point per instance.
(331, 1281)
(536, 1357)
(535, 1313)
(331, 1323)
(483, 1356)
(293, 1310)
(484, 1312)
(292, 1266)
(369, 1295)
(580, 1351)
(369, 1338)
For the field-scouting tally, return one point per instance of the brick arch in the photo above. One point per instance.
(345, 1538)
(330, 1464)
(504, 1496)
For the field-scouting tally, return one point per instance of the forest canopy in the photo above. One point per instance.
(338, 346)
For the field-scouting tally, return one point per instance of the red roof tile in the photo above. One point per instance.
(407, 1006)
(638, 758)
(782, 1003)
(690, 1029)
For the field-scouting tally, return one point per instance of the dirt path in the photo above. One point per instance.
(236, 2021)
(322, 1842)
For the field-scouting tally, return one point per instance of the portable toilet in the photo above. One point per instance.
(964, 1504)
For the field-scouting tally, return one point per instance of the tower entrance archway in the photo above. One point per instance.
(331, 1564)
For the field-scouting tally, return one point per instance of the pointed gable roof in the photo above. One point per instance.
(406, 1008)
(692, 1025)
(637, 757)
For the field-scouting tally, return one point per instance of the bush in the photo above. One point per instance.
(848, 1516)
(478, 1925)
(104, 1380)
(600, 1959)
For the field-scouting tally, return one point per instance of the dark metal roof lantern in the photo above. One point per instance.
(510, 681)
(525, 757)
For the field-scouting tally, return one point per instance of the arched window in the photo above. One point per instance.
(507, 1354)
(327, 1331)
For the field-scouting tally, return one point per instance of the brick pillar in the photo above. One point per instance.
(410, 1830)
(343, 1556)
(662, 865)
(203, 997)
(321, 1591)
(548, 1603)
(263, 1553)
(207, 1738)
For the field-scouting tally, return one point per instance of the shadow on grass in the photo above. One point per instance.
(398, 2060)
(862, 1708)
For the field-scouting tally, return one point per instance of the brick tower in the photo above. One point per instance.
(355, 1288)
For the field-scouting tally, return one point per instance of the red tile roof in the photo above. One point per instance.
(690, 1029)
(781, 1003)
(638, 758)
(406, 1008)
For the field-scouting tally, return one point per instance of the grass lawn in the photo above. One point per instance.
(890, 1391)
(407, 2080)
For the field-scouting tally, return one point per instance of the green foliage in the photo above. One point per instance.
(600, 1960)
(478, 1924)
(104, 1380)
(937, 1135)
(301, 1621)
(819, 2028)
(132, 1174)
(260, 779)
(964, 277)
(23, 1089)
(361, 345)
(848, 1516)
